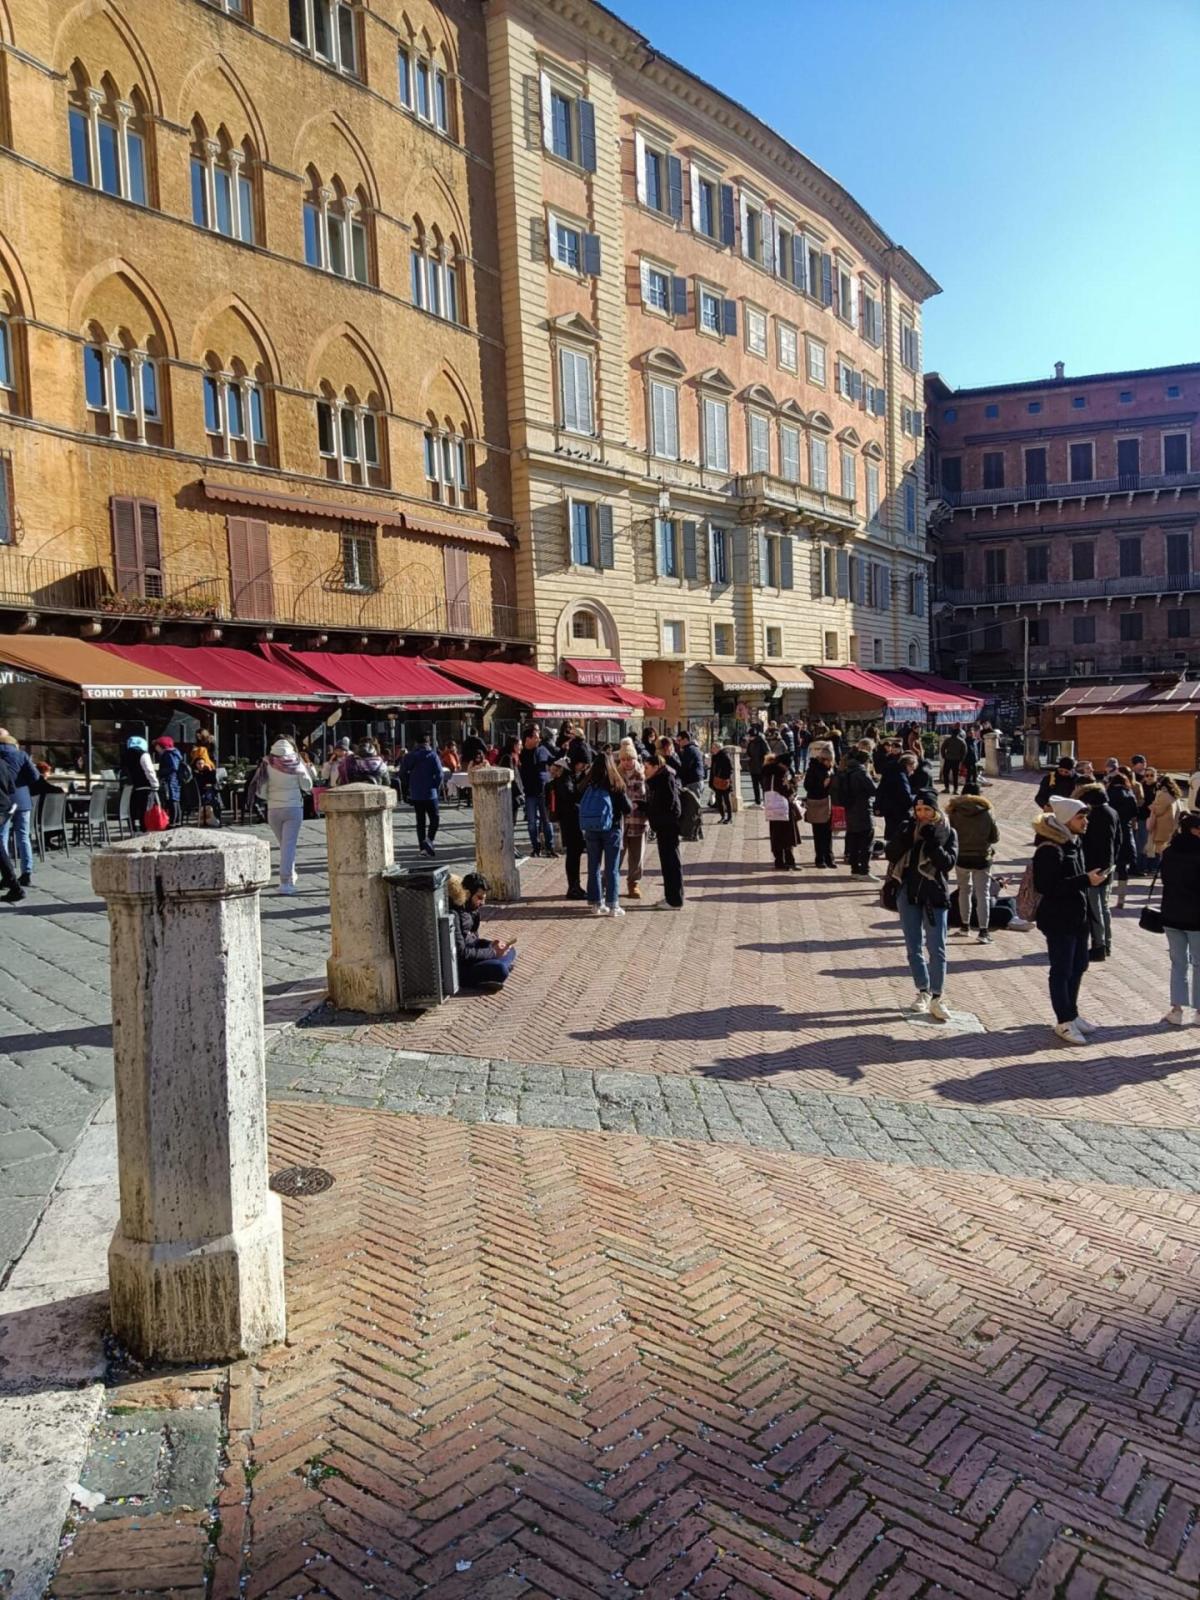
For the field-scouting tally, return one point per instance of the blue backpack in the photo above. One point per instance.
(596, 810)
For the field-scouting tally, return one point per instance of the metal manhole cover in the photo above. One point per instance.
(301, 1181)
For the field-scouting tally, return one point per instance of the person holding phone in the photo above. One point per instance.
(482, 963)
(1062, 879)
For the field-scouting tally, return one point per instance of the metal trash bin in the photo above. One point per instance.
(422, 935)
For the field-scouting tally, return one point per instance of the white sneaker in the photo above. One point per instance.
(1069, 1033)
(287, 888)
(1019, 925)
(920, 1006)
(1085, 1027)
(937, 1009)
(597, 911)
(1175, 1017)
(960, 933)
(616, 911)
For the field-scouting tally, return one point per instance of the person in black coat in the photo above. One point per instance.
(8, 800)
(1062, 879)
(1099, 850)
(1180, 870)
(564, 786)
(1061, 781)
(1124, 803)
(721, 777)
(858, 796)
(818, 800)
(663, 812)
(921, 858)
(894, 797)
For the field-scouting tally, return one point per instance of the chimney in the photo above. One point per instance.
(1059, 370)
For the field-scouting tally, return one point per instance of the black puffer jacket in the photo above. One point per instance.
(1102, 836)
(1060, 877)
(1180, 870)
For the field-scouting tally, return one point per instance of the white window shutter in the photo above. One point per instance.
(547, 115)
(768, 242)
(694, 173)
(645, 284)
(745, 230)
(639, 152)
(854, 294)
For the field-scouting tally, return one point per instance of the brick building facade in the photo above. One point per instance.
(1067, 507)
(223, 405)
(713, 367)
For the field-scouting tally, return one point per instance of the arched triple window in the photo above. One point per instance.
(108, 136)
(425, 83)
(223, 177)
(235, 411)
(328, 30)
(349, 437)
(122, 387)
(12, 365)
(436, 278)
(337, 229)
(449, 461)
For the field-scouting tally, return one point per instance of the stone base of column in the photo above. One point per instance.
(217, 1301)
(368, 986)
(734, 753)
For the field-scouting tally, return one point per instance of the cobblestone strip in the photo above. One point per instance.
(668, 1106)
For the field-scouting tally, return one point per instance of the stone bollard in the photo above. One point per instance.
(991, 754)
(734, 752)
(362, 966)
(495, 833)
(195, 1268)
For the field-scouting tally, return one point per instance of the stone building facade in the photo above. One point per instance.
(1066, 509)
(714, 388)
(250, 355)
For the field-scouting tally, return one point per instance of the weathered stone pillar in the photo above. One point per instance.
(362, 967)
(734, 752)
(991, 754)
(495, 842)
(195, 1267)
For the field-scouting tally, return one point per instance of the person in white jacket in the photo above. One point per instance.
(284, 781)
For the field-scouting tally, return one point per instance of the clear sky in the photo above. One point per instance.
(1041, 158)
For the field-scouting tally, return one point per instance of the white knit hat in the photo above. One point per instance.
(1064, 808)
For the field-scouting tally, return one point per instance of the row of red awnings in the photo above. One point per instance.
(894, 695)
(277, 678)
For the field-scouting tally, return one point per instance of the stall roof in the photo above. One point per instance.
(1095, 694)
(540, 691)
(229, 679)
(738, 680)
(96, 672)
(406, 682)
(1143, 698)
(872, 685)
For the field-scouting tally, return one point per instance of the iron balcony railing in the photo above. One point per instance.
(1078, 589)
(30, 583)
(1127, 483)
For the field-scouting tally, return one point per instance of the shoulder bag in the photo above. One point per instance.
(1152, 918)
(818, 808)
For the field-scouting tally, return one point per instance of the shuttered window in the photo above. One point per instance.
(716, 435)
(251, 590)
(575, 373)
(789, 453)
(137, 547)
(458, 590)
(760, 443)
(664, 415)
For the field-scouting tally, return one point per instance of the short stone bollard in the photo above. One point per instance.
(362, 966)
(195, 1268)
(734, 752)
(495, 832)
(991, 754)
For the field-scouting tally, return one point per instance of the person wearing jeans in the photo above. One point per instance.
(422, 774)
(662, 815)
(534, 766)
(1180, 872)
(482, 963)
(26, 785)
(603, 806)
(921, 858)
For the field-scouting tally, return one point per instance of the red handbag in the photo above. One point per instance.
(155, 819)
(839, 819)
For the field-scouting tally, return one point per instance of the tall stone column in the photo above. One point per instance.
(495, 835)
(991, 754)
(362, 966)
(195, 1267)
(734, 752)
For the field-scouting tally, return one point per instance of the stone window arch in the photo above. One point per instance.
(337, 222)
(109, 134)
(225, 182)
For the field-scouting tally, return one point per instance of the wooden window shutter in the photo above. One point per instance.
(690, 563)
(604, 524)
(260, 568)
(126, 554)
(150, 548)
(675, 187)
(458, 589)
(587, 135)
(787, 578)
(251, 589)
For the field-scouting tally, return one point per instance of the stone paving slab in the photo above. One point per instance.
(549, 1365)
(897, 1132)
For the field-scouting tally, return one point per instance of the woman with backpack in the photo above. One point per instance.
(603, 804)
(922, 856)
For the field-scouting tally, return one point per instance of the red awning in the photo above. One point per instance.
(869, 684)
(406, 682)
(229, 679)
(594, 672)
(540, 691)
(939, 694)
(626, 699)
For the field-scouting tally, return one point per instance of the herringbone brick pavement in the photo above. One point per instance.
(544, 1364)
(796, 980)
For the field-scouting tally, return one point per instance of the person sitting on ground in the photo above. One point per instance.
(973, 820)
(482, 963)
(1061, 878)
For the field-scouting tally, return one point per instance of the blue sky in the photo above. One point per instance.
(1046, 170)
